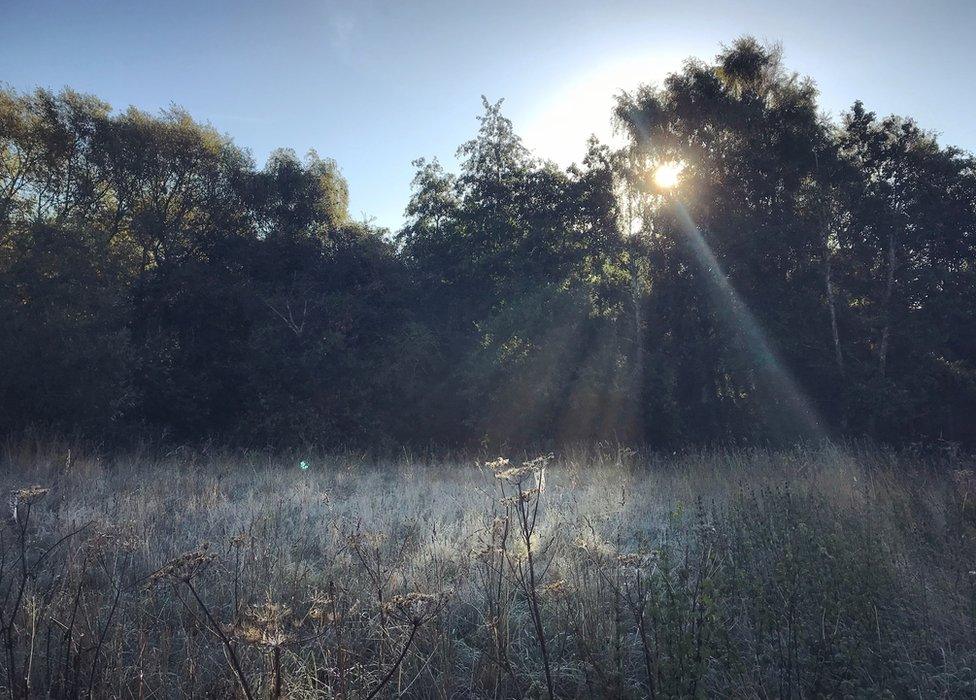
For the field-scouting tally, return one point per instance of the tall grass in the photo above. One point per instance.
(598, 573)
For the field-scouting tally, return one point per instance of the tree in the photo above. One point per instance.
(752, 145)
(805, 278)
(907, 253)
(518, 265)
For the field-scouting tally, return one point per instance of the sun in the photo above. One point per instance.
(667, 175)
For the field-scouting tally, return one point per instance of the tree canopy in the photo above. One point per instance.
(805, 278)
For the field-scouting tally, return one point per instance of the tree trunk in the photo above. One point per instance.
(889, 290)
(831, 305)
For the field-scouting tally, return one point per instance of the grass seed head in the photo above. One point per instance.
(265, 625)
(185, 567)
(112, 538)
(556, 590)
(415, 608)
(29, 495)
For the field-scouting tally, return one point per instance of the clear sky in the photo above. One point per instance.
(377, 83)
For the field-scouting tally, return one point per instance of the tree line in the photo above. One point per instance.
(805, 278)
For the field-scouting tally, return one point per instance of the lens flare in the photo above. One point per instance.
(667, 175)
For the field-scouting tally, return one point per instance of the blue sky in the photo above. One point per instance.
(375, 83)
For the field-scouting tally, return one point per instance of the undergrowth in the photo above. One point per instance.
(822, 571)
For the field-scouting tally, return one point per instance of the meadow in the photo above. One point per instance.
(600, 572)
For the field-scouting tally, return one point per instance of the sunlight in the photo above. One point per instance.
(792, 402)
(558, 126)
(667, 175)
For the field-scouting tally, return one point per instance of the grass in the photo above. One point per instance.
(598, 573)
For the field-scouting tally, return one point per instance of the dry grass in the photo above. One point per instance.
(601, 573)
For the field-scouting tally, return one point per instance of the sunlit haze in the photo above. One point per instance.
(558, 126)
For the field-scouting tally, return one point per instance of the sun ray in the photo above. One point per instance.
(787, 392)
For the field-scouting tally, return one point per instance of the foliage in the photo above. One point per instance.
(804, 279)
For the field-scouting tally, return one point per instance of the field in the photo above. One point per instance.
(835, 570)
